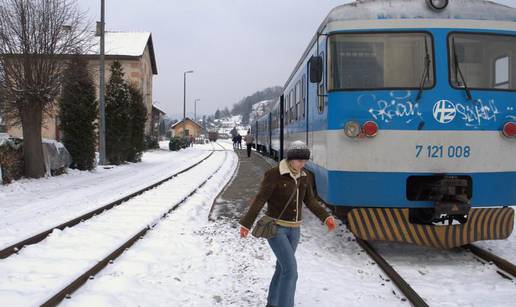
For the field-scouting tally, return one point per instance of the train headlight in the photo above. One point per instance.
(509, 129)
(370, 128)
(437, 4)
(352, 129)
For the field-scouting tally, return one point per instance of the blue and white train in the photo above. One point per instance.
(409, 109)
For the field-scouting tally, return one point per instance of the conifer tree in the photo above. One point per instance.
(138, 116)
(118, 100)
(78, 114)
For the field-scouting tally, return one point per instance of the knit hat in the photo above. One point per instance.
(298, 151)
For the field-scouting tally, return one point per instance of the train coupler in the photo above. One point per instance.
(393, 224)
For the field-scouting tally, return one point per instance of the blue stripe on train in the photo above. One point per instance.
(381, 189)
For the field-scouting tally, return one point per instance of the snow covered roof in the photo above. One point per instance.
(186, 118)
(419, 9)
(131, 44)
(158, 107)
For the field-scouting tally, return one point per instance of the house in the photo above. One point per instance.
(190, 127)
(156, 118)
(135, 51)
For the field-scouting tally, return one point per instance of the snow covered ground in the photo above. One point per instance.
(30, 206)
(503, 248)
(449, 277)
(187, 260)
(41, 270)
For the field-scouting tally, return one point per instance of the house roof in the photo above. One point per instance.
(181, 121)
(158, 107)
(129, 44)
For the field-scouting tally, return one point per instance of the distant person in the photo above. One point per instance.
(234, 134)
(234, 139)
(249, 140)
(192, 140)
(285, 188)
(239, 141)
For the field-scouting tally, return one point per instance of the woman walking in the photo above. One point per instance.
(284, 188)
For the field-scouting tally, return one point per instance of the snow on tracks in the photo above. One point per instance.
(29, 207)
(28, 278)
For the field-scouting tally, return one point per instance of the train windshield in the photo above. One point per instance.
(380, 61)
(482, 61)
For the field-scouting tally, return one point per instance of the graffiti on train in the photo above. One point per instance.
(400, 106)
(397, 106)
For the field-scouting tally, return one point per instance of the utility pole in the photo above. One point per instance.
(102, 128)
(184, 101)
(195, 109)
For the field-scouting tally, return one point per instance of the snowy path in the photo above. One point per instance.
(41, 270)
(188, 261)
(28, 207)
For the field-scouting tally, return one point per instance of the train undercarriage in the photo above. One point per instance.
(451, 222)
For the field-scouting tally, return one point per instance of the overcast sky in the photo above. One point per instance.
(235, 47)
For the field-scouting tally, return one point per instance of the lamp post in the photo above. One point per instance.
(195, 109)
(184, 100)
(102, 119)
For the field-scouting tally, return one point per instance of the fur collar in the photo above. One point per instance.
(284, 169)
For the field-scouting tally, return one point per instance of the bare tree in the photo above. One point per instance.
(36, 36)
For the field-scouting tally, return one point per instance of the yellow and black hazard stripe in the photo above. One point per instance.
(392, 224)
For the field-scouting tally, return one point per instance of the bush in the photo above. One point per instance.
(78, 113)
(11, 159)
(118, 116)
(138, 116)
(176, 143)
(151, 142)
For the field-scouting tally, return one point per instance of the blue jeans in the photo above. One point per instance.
(283, 284)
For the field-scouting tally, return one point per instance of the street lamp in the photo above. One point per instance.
(102, 115)
(195, 109)
(184, 100)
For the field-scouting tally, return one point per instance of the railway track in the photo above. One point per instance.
(161, 199)
(16, 247)
(508, 269)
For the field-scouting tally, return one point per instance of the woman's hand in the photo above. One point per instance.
(243, 232)
(330, 223)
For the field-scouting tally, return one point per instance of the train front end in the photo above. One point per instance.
(421, 137)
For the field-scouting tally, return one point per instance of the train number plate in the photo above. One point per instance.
(443, 151)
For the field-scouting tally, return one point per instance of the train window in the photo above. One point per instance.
(501, 72)
(320, 97)
(481, 60)
(298, 100)
(291, 105)
(285, 107)
(380, 60)
(303, 95)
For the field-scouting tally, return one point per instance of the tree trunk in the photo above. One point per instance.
(32, 149)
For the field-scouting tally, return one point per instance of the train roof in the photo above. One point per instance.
(419, 9)
(412, 10)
